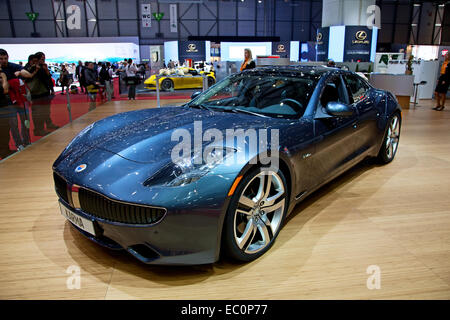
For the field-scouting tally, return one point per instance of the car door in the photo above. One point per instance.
(361, 98)
(335, 136)
(194, 81)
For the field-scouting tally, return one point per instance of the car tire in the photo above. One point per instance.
(211, 81)
(249, 233)
(391, 139)
(167, 85)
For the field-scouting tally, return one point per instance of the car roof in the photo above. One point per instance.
(311, 70)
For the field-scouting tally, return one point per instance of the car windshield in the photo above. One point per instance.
(274, 94)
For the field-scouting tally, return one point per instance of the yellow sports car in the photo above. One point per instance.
(188, 78)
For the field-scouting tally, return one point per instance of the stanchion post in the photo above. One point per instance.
(69, 107)
(158, 105)
(205, 82)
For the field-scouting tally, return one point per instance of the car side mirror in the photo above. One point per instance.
(338, 109)
(195, 94)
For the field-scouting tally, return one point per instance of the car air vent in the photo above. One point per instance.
(102, 207)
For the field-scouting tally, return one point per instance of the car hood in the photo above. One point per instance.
(146, 135)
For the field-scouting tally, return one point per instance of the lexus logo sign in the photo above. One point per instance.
(281, 48)
(319, 37)
(361, 35)
(192, 47)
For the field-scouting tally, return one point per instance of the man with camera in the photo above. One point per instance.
(42, 93)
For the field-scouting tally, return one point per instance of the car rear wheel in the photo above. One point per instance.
(167, 85)
(211, 81)
(255, 214)
(391, 139)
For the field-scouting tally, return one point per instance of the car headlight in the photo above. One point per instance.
(187, 171)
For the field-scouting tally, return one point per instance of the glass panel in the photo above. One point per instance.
(35, 107)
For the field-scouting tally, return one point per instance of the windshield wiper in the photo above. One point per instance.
(249, 112)
(200, 106)
(235, 110)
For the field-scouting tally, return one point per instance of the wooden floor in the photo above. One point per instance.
(396, 217)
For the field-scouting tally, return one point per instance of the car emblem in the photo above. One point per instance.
(319, 36)
(81, 167)
(361, 35)
(192, 47)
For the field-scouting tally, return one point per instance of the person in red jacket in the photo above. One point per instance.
(17, 92)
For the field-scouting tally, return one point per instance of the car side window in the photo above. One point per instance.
(333, 91)
(356, 86)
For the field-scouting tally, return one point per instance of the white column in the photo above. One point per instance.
(345, 12)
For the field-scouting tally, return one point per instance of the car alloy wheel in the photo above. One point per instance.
(166, 84)
(391, 140)
(257, 212)
(211, 81)
(392, 137)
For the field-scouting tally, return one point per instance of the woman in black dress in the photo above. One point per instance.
(248, 60)
(441, 89)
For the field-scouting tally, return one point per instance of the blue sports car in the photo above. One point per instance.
(185, 184)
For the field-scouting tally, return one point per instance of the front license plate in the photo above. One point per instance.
(82, 223)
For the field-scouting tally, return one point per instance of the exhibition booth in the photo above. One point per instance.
(177, 69)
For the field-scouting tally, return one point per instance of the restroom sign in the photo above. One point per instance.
(146, 15)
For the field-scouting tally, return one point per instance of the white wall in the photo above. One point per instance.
(74, 49)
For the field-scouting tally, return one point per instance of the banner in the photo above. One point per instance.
(358, 41)
(173, 18)
(146, 15)
(194, 50)
(322, 40)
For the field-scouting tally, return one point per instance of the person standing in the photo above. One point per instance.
(11, 71)
(64, 78)
(4, 116)
(83, 77)
(441, 89)
(78, 74)
(105, 80)
(131, 79)
(248, 60)
(92, 85)
(41, 86)
(18, 103)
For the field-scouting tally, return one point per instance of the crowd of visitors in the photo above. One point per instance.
(31, 87)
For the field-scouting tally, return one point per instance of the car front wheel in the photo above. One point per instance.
(167, 85)
(255, 214)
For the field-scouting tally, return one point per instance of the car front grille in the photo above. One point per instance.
(102, 207)
(60, 187)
